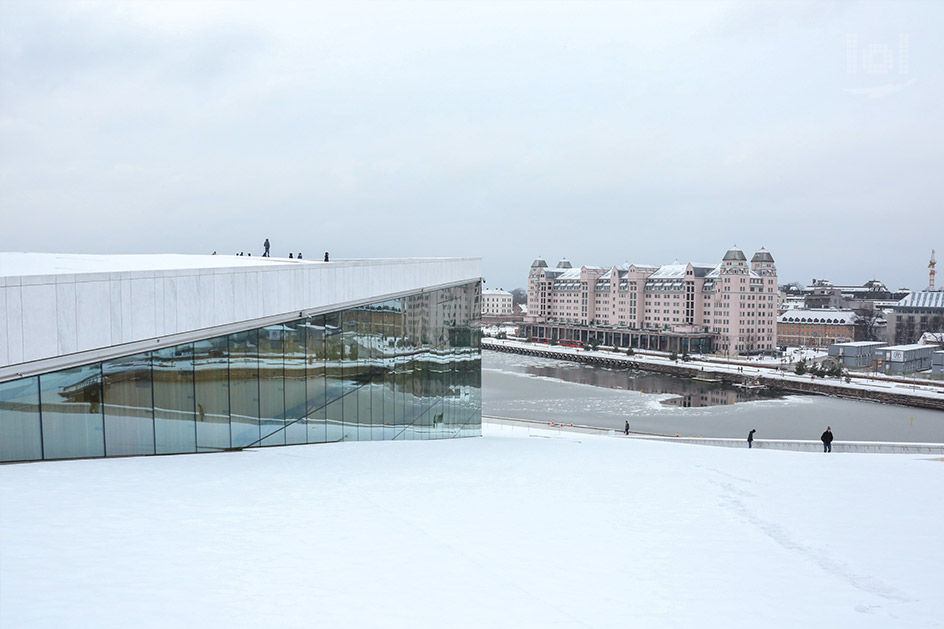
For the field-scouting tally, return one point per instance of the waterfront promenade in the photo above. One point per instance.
(922, 394)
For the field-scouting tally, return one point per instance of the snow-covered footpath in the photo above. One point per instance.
(517, 529)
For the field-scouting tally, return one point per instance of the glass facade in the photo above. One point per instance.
(407, 368)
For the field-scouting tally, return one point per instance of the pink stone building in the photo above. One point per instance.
(734, 300)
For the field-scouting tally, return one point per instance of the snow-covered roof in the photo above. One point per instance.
(924, 299)
(495, 292)
(734, 254)
(904, 348)
(860, 344)
(13, 264)
(676, 271)
(826, 315)
(669, 271)
(762, 256)
(931, 338)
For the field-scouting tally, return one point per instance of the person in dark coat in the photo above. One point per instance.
(289, 255)
(750, 438)
(299, 256)
(626, 428)
(326, 256)
(827, 440)
(266, 245)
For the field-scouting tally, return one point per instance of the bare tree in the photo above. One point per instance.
(866, 324)
(519, 296)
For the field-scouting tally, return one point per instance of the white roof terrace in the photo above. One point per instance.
(56, 308)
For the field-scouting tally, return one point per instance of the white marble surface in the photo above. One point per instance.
(49, 310)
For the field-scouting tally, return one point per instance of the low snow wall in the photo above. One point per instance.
(858, 447)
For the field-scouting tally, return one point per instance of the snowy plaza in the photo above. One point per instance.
(519, 528)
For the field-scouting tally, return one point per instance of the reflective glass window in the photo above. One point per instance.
(315, 379)
(296, 411)
(378, 367)
(244, 388)
(129, 410)
(175, 428)
(21, 437)
(72, 413)
(272, 386)
(334, 356)
(211, 389)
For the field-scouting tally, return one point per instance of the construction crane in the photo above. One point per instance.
(931, 271)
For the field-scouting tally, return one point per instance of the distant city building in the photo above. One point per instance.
(905, 358)
(732, 303)
(856, 354)
(497, 302)
(824, 294)
(916, 314)
(937, 363)
(816, 328)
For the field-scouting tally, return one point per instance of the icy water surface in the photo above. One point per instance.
(529, 387)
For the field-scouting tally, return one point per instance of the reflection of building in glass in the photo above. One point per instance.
(400, 360)
(729, 306)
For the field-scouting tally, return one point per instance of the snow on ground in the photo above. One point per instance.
(521, 528)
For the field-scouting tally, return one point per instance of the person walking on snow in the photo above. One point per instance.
(265, 254)
(750, 438)
(626, 428)
(827, 439)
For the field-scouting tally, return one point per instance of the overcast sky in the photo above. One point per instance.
(606, 133)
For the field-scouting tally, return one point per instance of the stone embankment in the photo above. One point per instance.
(774, 380)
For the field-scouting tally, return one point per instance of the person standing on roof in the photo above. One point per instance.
(265, 254)
(299, 256)
(626, 428)
(326, 256)
(827, 439)
(750, 438)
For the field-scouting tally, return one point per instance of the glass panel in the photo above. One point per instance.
(21, 438)
(365, 375)
(211, 388)
(315, 379)
(129, 405)
(294, 340)
(272, 385)
(244, 388)
(72, 413)
(378, 372)
(175, 425)
(350, 368)
(334, 421)
(334, 352)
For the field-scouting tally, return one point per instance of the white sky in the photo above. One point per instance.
(605, 132)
